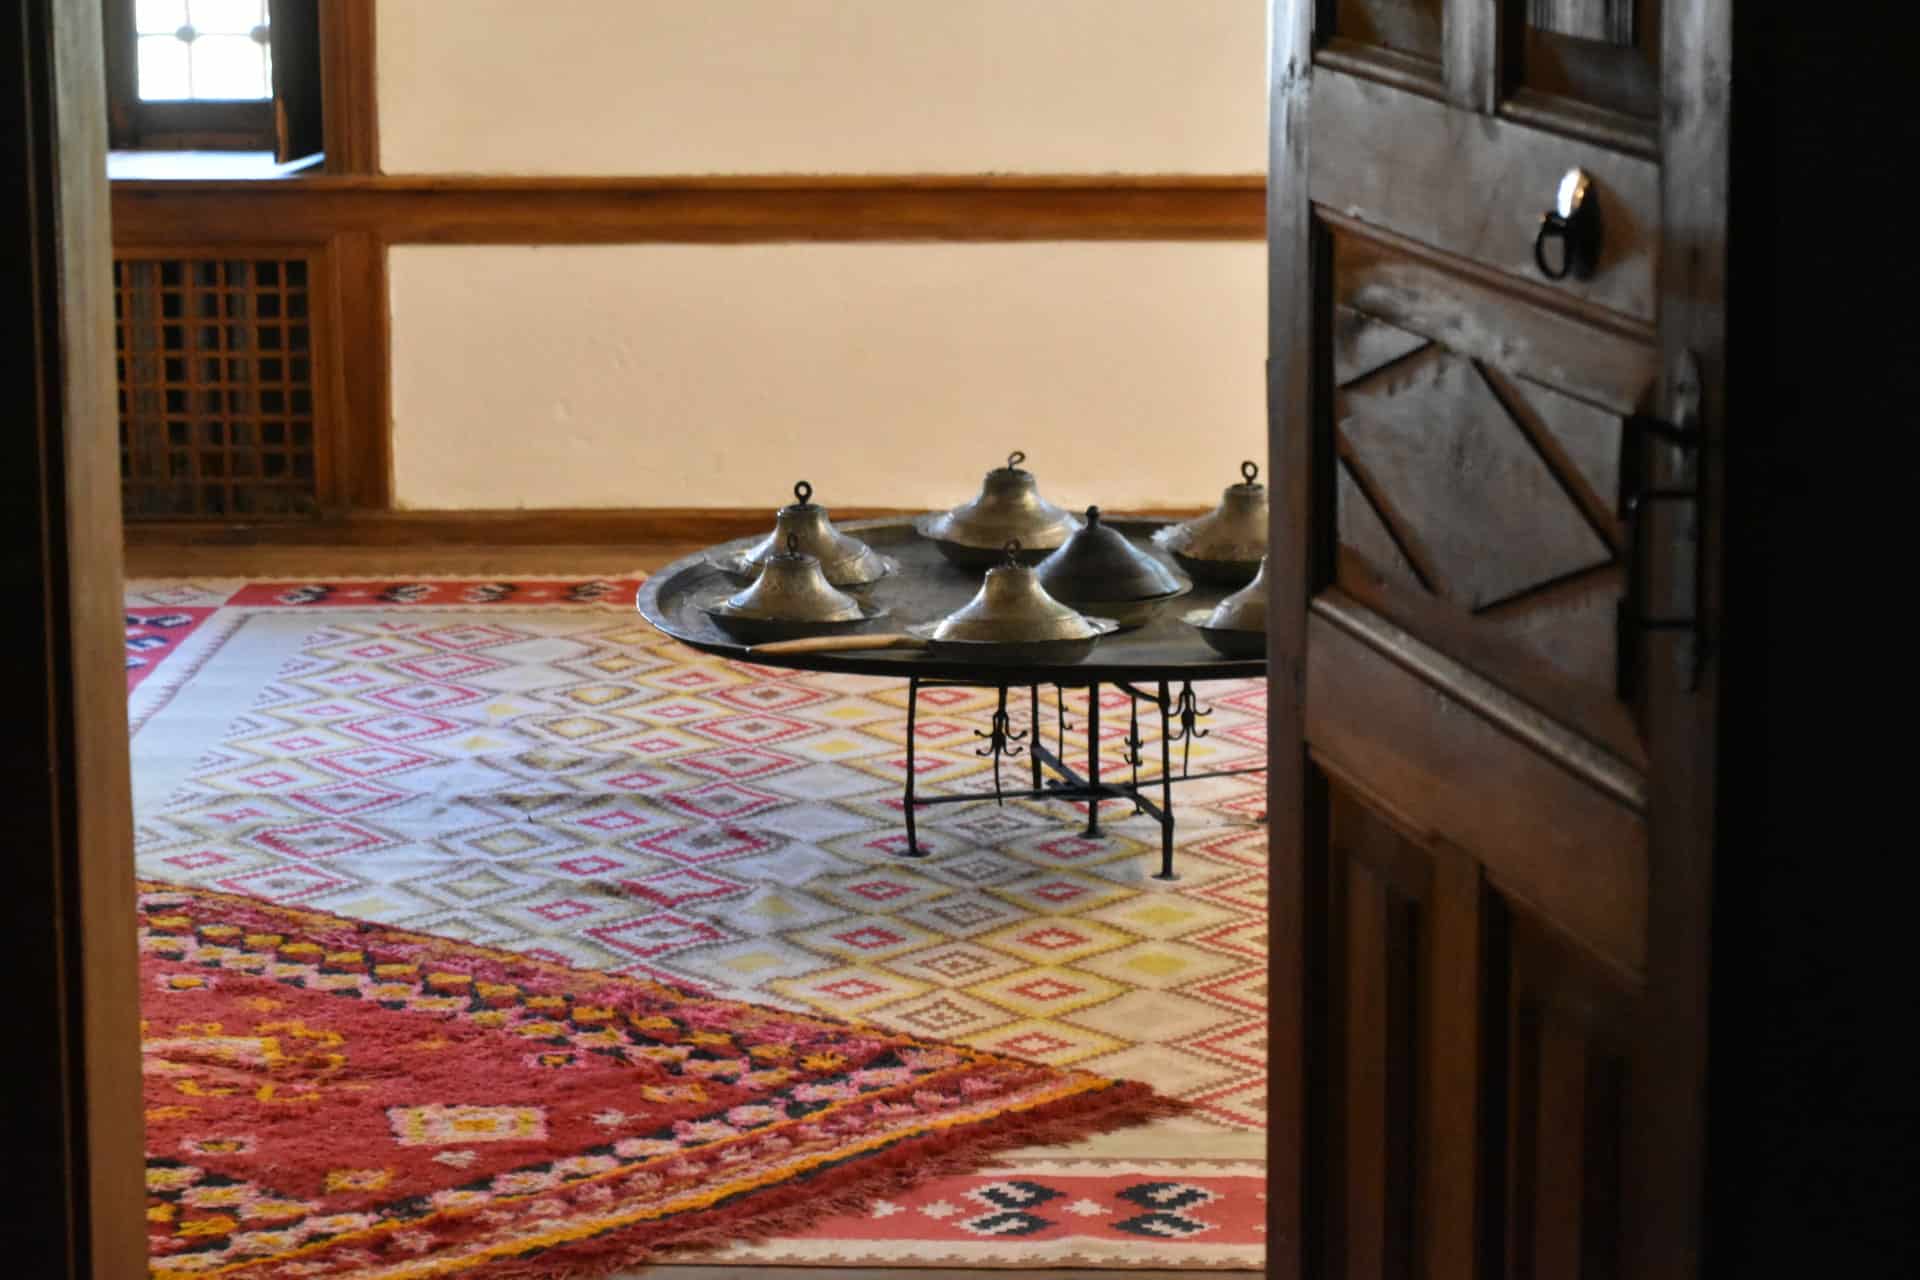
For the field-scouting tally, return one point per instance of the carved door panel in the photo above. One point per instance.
(1488, 537)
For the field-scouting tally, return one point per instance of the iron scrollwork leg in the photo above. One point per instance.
(1188, 709)
(1060, 728)
(1093, 831)
(1033, 728)
(1133, 743)
(1001, 740)
(913, 835)
(1166, 784)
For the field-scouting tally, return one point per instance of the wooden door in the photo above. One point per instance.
(1491, 854)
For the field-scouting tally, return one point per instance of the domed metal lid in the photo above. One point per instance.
(844, 561)
(1099, 564)
(1245, 609)
(1012, 607)
(1009, 506)
(791, 588)
(1236, 530)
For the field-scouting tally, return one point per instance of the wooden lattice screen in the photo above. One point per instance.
(218, 388)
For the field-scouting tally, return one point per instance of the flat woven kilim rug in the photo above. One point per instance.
(526, 765)
(328, 1097)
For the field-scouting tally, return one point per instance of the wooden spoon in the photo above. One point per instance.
(840, 644)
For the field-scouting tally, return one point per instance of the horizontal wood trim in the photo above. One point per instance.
(1527, 328)
(1572, 752)
(694, 210)
(1614, 129)
(1379, 155)
(698, 526)
(1486, 642)
(1441, 766)
(1388, 66)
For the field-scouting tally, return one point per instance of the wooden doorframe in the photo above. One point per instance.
(72, 1109)
(1666, 1136)
(1296, 796)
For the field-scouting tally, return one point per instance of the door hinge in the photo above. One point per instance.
(1681, 430)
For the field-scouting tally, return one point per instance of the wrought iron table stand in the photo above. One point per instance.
(1006, 743)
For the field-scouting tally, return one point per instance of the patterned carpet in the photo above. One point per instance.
(332, 1098)
(528, 765)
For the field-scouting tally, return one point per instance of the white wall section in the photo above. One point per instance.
(621, 87)
(886, 374)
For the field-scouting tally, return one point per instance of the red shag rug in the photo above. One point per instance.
(327, 1097)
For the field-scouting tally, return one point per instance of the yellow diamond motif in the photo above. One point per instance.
(573, 728)
(1165, 914)
(752, 962)
(1160, 964)
(598, 695)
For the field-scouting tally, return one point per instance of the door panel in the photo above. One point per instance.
(1477, 505)
(1514, 324)
(1378, 928)
(1569, 1070)
(1411, 28)
(1441, 440)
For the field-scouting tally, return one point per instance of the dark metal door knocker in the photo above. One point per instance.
(1574, 221)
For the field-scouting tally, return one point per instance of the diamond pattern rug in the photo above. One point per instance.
(527, 765)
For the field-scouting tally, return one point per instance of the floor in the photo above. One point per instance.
(148, 561)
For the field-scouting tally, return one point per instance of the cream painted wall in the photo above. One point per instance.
(886, 374)
(599, 87)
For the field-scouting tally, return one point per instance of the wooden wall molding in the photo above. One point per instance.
(349, 101)
(577, 527)
(362, 349)
(690, 210)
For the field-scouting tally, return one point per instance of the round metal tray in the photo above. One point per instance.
(928, 588)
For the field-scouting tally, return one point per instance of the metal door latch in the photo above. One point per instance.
(1682, 432)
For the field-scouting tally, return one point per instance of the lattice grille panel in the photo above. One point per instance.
(217, 387)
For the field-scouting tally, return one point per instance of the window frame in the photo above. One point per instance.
(211, 125)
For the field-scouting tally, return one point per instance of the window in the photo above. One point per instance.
(214, 75)
(202, 51)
